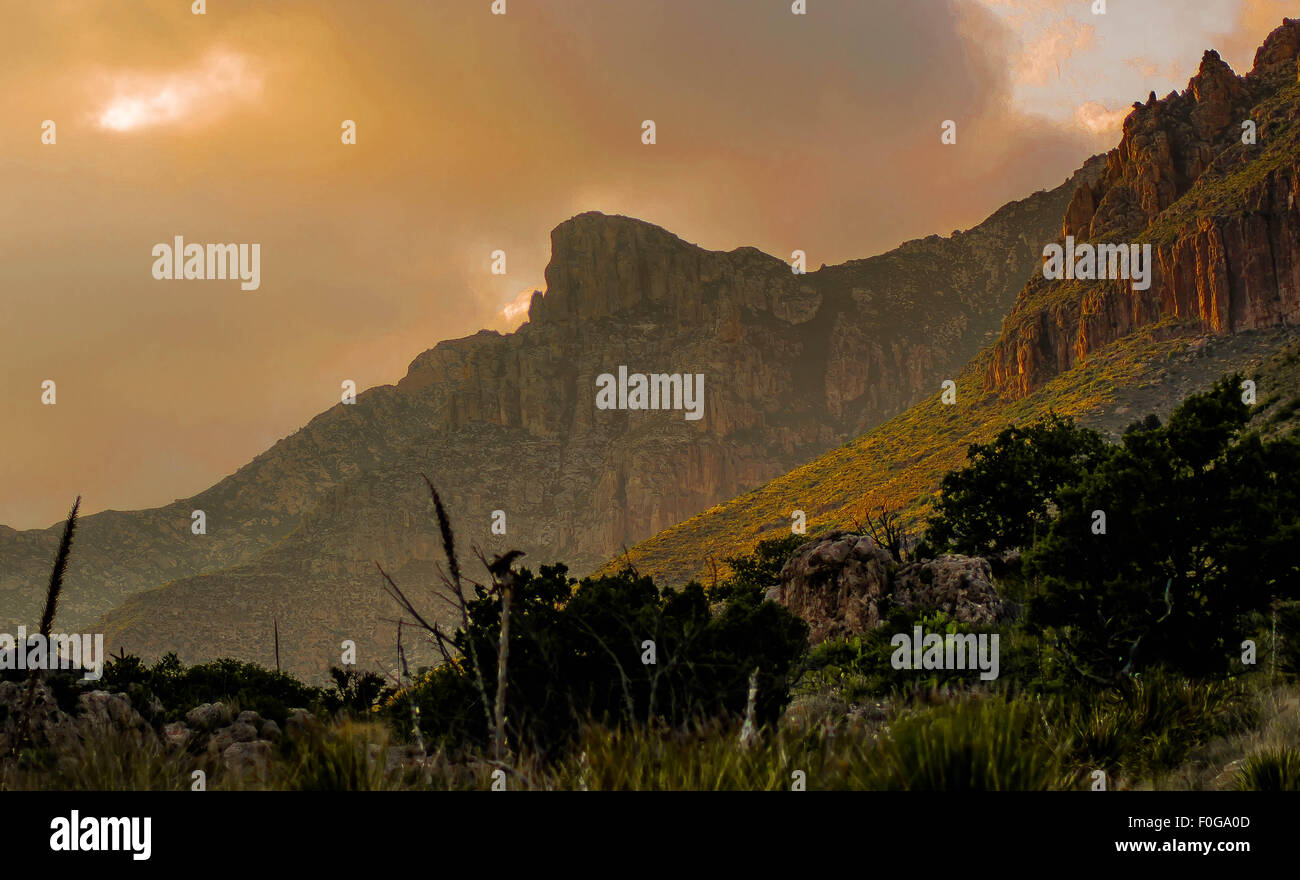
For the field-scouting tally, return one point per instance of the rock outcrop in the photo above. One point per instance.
(65, 721)
(1222, 215)
(64, 727)
(846, 584)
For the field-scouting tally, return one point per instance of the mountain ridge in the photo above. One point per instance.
(1226, 256)
(1093, 350)
(796, 363)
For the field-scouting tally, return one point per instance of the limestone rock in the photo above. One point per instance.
(247, 759)
(837, 585)
(239, 732)
(208, 716)
(1228, 270)
(176, 735)
(845, 584)
(95, 714)
(301, 723)
(961, 586)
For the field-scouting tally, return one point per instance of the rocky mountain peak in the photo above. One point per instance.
(1209, 177)
(1278, 59)
(607, 265)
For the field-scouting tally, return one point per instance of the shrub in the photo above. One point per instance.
(577, 649)
(1149, 724)
(179, 688)
(1004, 498)
(983, 745)
(864, 662)
(349, 756)
(1272, 770)
(1201, 523)
(756, 572)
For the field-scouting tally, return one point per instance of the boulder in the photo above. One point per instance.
(245, 759)
(300, 722)
(50, 725)
(176, 734)
(961, 586)
(837, 584)
(104, 709)
(95, 714)
(844, 584)
(239, 732)
(208, 716)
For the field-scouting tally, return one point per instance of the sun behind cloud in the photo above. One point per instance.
(516, 311)
(221, 80)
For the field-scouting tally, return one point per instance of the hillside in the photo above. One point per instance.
(1225, 228)
(794, 364)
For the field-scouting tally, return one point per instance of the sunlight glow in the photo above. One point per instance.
(141, 100)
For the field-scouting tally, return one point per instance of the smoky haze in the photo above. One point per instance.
(474, 133)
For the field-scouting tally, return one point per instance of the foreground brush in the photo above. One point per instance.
(47, 616)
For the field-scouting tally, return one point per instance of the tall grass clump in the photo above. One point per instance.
(1271, 770)
(109, 760)
(705, 757)
(347, 756)
(991, 744)
(1152, 724)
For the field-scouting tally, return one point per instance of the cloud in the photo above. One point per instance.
(1255, 20)
(818, 132)
(1144, 66)
(1097, 119)
(1041, 59)
(142, 100)
(516, 311)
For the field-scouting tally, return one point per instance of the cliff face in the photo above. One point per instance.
(792, 364)
(1221, 215)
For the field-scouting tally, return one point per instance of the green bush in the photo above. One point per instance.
(179, 688)
(1150, 723)
(576, 655)
(1003, 499)
(861, 665)
(757, 571)
(1201, 524)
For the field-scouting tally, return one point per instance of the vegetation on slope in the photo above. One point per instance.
(898, 465)
(711, 706)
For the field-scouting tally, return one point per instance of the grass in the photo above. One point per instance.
(1165, 732)
(1140, 735)
(1215, 764)
(1275, 770)
(107, 760)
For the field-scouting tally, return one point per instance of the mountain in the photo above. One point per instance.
(792, 363)
(1220, 214)
(1223, 220)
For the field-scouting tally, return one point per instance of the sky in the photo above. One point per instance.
(475, 132)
